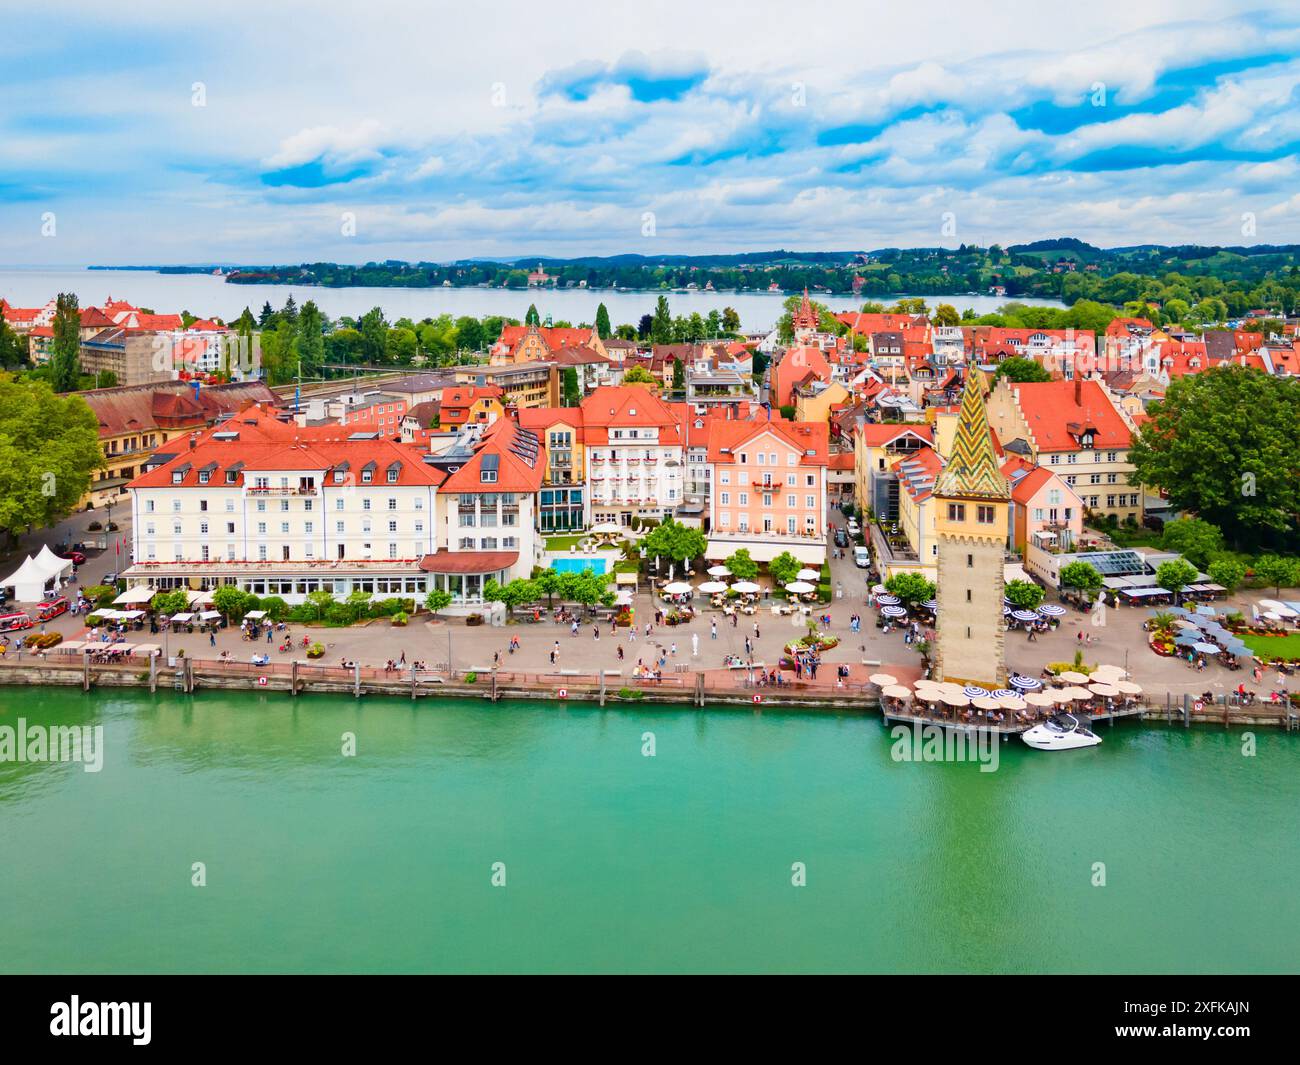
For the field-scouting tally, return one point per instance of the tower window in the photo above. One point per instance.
(968, 599)
(984, 515)
(956, 511)
(970, 561)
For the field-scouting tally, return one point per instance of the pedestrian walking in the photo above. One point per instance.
(713, 629)
(695, 645)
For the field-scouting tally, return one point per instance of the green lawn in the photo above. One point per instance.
(1267, 647)
(563, 543)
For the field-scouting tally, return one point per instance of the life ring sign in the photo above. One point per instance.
(1198, 706)
(758, 698)
(261, 682)
(563, 693)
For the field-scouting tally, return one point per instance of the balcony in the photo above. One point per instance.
(296, 490)
(805, 537)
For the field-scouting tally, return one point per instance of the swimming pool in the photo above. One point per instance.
(577, 565)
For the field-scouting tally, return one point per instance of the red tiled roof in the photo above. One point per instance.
(519, 462)
(727, 436)
(134, 408)
(444, 561)
(1054, 418)
(875, 434)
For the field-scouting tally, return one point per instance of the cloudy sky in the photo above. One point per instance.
(282, 132)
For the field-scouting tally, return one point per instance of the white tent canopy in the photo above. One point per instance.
(141, 593)
(27, 581)
(50, 562)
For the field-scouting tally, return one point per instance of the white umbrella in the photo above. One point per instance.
(746, 587)
(719, 571)
(1075, 694)
(949, 699)
(1108, 690)
(678, 588)
(607, 528)
(799, 587)
(1128, 687)
(929, 695)
(883, 679)
(1072, 677)
(709, 587)
(895, 691)
(986, 702)
(807, 575)
(1012, 702)
(1039, 699)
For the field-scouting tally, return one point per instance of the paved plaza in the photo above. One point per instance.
(691, 647)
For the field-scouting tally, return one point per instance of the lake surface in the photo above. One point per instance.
(615, 861)
(206, 295)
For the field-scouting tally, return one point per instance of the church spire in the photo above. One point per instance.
(972, 468)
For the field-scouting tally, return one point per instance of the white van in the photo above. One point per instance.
(860, 558)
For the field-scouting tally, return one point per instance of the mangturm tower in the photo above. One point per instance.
(971, 497)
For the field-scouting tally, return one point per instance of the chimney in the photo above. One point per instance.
(193, 441)
(1078, 387)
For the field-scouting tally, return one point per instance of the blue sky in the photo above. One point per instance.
(299, 131)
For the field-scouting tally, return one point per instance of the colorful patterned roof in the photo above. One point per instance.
(972, 468)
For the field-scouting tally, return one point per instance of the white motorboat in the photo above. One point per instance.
(1062, 732)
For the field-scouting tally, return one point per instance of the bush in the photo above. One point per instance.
(95, 526)
(39, 641)
(629, 693)
(823, 593)
(276, 608)
(471, 677)
(101, 594)
(400, 618)
(316, 650)
(474, 619)
(387, 608)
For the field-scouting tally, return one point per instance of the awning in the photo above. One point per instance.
(141, 593)
(765, 550)
(625, 578)
(1014, 571)
(444, 561)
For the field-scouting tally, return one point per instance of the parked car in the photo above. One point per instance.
(861, 558)
(841, 538)
(854, 527)
(78, 559)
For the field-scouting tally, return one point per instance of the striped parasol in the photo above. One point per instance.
(893, 611)
(1026, 684)
(1051, 610)
(888, 600)
(975, 691)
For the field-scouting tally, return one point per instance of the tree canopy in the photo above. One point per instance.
(49, 446)
(1223, 445)
(910, 587)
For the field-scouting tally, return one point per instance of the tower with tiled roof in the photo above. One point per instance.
(804, 322)
(972, 499)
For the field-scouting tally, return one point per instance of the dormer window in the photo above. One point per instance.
(339, 476)
(367, 476)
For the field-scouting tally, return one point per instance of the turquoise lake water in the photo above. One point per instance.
(615, 861)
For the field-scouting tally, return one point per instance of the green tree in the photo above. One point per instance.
(173, 602)
(1194, 539)
(311, 340)
(374, 336)
(1241, 473)
(679, 375)
(1024, 595)
(910, 587)
(673, 540)
(661, 325)
(1175, 575)
(1080, 575)
(13, 348)
(946, 314)
(65, 349)
(515, 594)
(639, 375)
(232, 602)
(1227, 571)
(437, 599)
(602, 322)
(319, 602)
(1020, 370)
(784, 568)
(1278, 571)
(572, 390)
(742, 566)
(532, 317)
(49, 446)
(730, 320)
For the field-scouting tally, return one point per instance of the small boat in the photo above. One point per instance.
(1062, 732)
